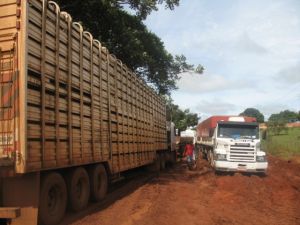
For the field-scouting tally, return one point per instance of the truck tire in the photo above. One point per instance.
(199, 164)
(211, 159)
(53, 199)
(205, 154)
(98, 182)
(208, 155)
(78, 189)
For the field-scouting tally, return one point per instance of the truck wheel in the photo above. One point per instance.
(198, 163)
(203, 155)
(78, 189)
(53, 199)
(211, 159)
(219, 173)
(98, 181)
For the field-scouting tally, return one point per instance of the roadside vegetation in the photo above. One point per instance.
(181, 118)
(285, 144)
(277, 138)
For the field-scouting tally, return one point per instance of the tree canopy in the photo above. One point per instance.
(129, 39)
(284, 116)
(252, 112)
(144, 8)
(182, 118)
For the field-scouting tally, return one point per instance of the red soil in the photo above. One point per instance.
(179, 196)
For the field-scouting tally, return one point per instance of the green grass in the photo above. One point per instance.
(284, 145)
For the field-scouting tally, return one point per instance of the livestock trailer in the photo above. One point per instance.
(72, 116)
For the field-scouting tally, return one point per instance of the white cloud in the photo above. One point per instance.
(207, 82)
(247, 45)
(214, 106)
(249, 48)
(271, 108)
(290, 75)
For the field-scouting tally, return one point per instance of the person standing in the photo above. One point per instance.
(189, 152)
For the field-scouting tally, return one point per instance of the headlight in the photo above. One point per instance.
(221, 157)
(222, 146)
(261, 158)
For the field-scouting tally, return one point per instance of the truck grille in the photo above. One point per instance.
(242, 153)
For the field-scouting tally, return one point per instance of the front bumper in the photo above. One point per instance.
(257, 167)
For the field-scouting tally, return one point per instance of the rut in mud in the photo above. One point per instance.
(179, 196)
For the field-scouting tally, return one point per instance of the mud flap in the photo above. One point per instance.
(22, 192)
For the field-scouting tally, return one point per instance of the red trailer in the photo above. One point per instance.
(206, 128)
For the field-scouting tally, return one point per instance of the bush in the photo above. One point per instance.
(277, 128)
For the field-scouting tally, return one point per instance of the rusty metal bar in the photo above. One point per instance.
(10, 89)
(68, 18)
(122, 113)
(92, 93)
(57, 117)
(100, 94)
(10, 212)
(109, 104)
(117, 110)
(137, 113)
(132, 119)
(16, 100)
(43, 88)
(81, 88)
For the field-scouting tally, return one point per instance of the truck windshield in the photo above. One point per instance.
(236, 131)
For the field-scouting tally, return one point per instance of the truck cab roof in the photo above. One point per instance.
(238, 123)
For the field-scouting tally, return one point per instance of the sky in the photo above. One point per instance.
(250, 50)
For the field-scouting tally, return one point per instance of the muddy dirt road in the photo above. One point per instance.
(179, 196)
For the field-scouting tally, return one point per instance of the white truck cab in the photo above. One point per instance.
(235, 146)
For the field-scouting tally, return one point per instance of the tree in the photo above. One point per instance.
(182, 118)
(144, 8)
(129, 39)
(252, 112)
(284, 116)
